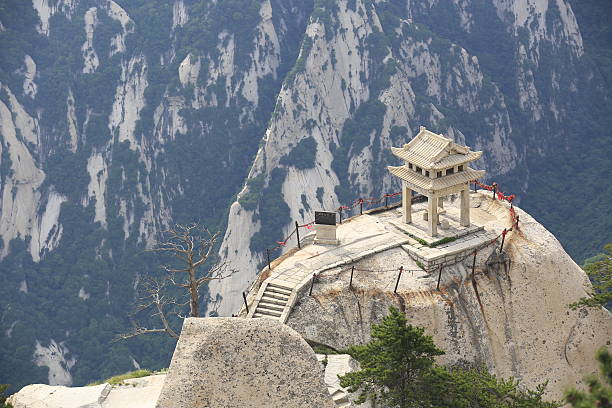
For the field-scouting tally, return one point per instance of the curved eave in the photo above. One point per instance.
(420, 182)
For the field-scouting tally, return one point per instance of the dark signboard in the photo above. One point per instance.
(325, 217)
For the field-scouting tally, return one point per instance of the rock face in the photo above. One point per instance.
(511, 316)
(418, 68)
(232, 362)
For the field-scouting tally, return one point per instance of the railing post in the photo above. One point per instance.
(398, 279)
(439, 277)
(386, 201)
(340, 212)
(314, 276)
(361, 206)
(473, 265)
(268, 253)
(245, 302)
(351, 281)
(475, 186)
(297, 231)
(504, 232)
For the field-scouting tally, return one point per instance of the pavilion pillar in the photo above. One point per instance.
(441, 202)
(432, 219)
(407, 203)
(465, 207)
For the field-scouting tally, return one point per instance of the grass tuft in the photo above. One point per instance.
(118, 379)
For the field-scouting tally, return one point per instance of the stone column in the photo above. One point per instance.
(432, 219)
(465, 207)
(407, 203)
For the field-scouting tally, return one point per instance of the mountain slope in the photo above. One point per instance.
(370, 74)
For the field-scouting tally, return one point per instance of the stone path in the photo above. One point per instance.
(359, 237)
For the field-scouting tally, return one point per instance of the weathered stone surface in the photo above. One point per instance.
(132, 393)
(234, 362)
(49, 396)
(512, 317)
(135, 393)
(335, 365)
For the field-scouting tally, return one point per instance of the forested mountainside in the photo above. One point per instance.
(118, 118)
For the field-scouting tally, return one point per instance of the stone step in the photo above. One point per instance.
(278, 296)
(273, 300)
(277, 291)
(267, 312)
(263, 315)
(268, 306)
(280, 288)
(340, 396)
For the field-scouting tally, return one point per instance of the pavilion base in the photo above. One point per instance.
(449, 226)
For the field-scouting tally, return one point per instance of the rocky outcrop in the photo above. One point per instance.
(231, 362)
(132, 393)
(48, 396)
(511, 316)
(358, 72)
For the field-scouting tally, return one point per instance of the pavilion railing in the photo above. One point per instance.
(386, 198)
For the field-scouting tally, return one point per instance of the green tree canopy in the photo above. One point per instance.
(393, 363)
(3, 403)
(599, 269)
(478, 388)
(398, 370)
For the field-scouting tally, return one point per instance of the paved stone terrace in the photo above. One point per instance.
(363, 236)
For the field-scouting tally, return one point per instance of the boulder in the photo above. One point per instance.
(235, 362)
(132, 393)
(52, 396)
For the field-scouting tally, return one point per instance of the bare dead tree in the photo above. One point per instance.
(193, 247)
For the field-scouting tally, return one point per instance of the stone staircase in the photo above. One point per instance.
(340, 397)
(273, 301)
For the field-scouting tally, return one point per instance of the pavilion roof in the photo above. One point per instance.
(440, 183)
(431, 151)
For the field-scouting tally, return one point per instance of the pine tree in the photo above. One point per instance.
(393, 363)
(599, 269)
(397, 369)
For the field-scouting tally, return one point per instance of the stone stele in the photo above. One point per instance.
(232, 362)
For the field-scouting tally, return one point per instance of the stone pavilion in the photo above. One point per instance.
(435, 167)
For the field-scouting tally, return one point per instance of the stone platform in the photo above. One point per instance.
(448, 247)
(368, 236)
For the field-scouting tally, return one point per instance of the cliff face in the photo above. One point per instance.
(120, 117)
(369, 74)
(510, 316)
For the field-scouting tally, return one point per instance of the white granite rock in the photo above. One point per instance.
(234, 362)
(49, 396)
(513, 317)
(132, 393)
